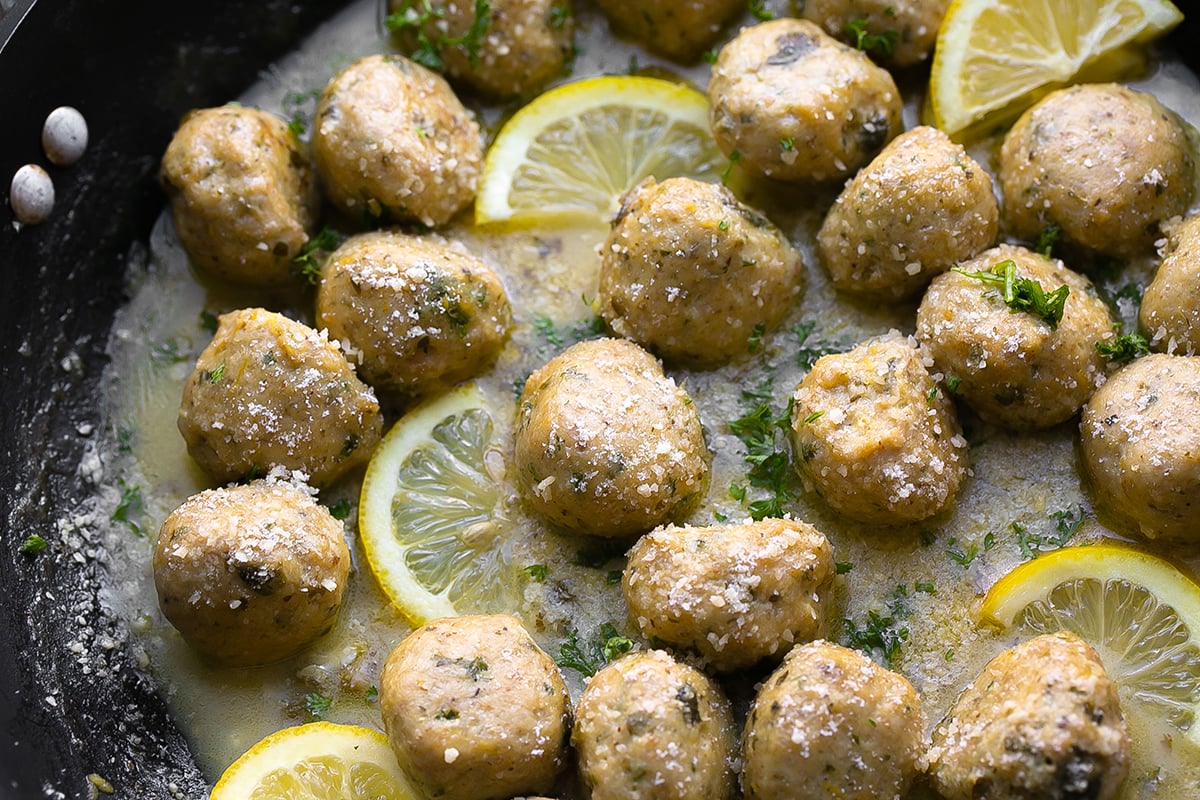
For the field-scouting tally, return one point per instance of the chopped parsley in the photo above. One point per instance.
(963, 556)
(734, 158)
(316, 705)
(168, 352)
(340, 509)
(759, 9)
(308, 264)
(1067, 523)
(883, 43)
(131, 508)
(559, 16)
(415, 16)
(536, 572)
(755, 343)
(809, 352)
(215, 376)
(590, 657)
(33, 545)
(1024, 294)
(842, 567)
(1048, 239)
(765, 436)
(1124, 348)
(298, 108)
(881, 633)
(208, 321)
(710, 56)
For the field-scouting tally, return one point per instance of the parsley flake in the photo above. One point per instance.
(1024, 294)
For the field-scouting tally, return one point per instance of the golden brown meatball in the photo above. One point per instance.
(1042, 720)
(269, 391)
(392, 141)
(736, 594)
(650, 728)
(875, 436)
(520, 45)
(903, 31)
(1014, 368)
(474, 710)
(251, 574)
(829, 722)
(692, 274)
(798, 105)
(920, 207)
(679, 29)
(606, 444)
(420, 311)
(243, 194)
(1105, 163)
(1141, 447)
(1170, 313)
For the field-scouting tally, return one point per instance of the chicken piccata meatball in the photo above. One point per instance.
(1104, 163)
(1170, 312)
(517, 48)
(1141, 447)
(798, 105)
(692, 274)
(829, 722)
(920, 207)
(1042, 720)
(391, 141)
(475, 710)
(648, 727)
(903, 32)
(416, 312)
(251, 573)
(678, 29)
(1016, 367)
(736, 594)
(269, 391)
(875, 435)
(242, 191)
(607, 444)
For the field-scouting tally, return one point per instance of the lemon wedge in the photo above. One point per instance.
(994, 58)
(432, 512)
(574, 151)
(1140, 613)
(317, 761)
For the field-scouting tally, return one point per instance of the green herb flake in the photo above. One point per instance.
(536, 572)
(1124, 348)
(208, 321)
(1048, 239)
(131, 508)
(842, 567)
(760, 11)
(308, 264)
(879, 635)
(590, 657)
(734, 158)
(341, 509)
(883, 43)
(559, 16)
(963, 556)
(787, 144)
(316, 705)
(546, 328)
(809, 352)
(215, 376)
(613, 578)
(420, 17)
(755, 343)
(33, 545)
(764, 435)
(710, 56)
(1024, 294)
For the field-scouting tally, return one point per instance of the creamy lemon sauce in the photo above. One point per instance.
(926, 578)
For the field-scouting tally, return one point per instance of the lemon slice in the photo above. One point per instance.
(1140, 613)
(432, 511)
(573, 152)
(996, 57)
(317, 761)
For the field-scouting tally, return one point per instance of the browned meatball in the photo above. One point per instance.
(829, 722)
(1141, 447)
(243, 193)
(518, 47)
(1170, 312)
(650, 728)
(920, 207)
(1105, 163)
(679, 29)
(1015, 368)
(903, 31)
(392, 141)
(692, 274)
(1042, 720)
(875, 436)
(474, 710)
(419, 312)
(269, 391)
(798, 105)
(606, 444)
(736, 594)
(251, 574)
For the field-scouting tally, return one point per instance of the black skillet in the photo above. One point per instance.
(69, 706)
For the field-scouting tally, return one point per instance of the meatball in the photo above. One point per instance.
(474, 710)
(736, 594)
(920, 207)
(875, 436)
(1170, 312)
(269, 391)
(829, 722)
(1016, 368)
(520, 45)
(1104, 163)
(393, 142)
(905, 30)
(1141, 446)
(242, 191)
(606, 444)
(678, 29)
(251, 574)
(421, 312)
(648, 727)
(1041, 720)
(692, 274)
(798, 105)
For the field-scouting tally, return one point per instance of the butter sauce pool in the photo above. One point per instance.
(926, 578)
